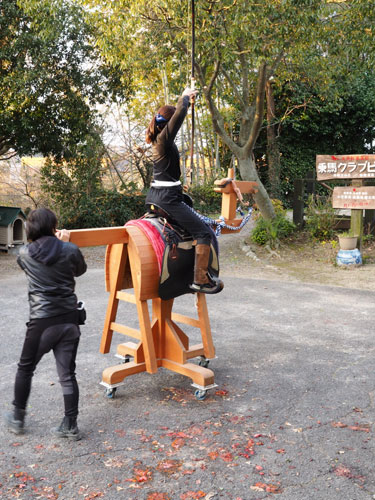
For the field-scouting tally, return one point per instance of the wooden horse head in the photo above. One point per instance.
(232, 191)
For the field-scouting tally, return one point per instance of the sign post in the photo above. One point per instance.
(355, 197)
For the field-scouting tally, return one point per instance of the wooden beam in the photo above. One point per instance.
(99, 236)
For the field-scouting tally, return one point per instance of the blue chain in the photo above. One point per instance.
(221, 223)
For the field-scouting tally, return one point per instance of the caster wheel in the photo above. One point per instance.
(204, 362)
(127, 358)
(110, 393)
(200, 395)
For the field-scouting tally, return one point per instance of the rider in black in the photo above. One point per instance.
(166, 190)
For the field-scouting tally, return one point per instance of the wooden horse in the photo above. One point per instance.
(131, 263)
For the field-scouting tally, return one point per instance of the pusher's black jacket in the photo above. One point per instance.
(50, 266)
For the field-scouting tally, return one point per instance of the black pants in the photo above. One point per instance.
(60, 334)
(170, 199)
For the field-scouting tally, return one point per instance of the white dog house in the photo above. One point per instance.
(12, 227)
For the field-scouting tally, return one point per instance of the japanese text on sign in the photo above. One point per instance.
(345, 167)
(354, 197)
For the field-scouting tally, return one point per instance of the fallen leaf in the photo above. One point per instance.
(120, 432)
(169, 466)
(213, 455)
(193, 494)
(142, 475)
(157, 496)
(226, 457)
(210, 495)
(178, 443)
(221, 393)
(269, 488)
(338, 424)
(358, 428)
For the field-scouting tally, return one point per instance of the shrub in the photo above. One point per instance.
(271, 231)
(277, 206)
(205, 199)
(320, 218)
(106, 209)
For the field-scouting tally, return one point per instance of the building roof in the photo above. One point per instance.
(9, 214)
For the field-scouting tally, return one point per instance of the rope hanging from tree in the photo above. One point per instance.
(208, 220)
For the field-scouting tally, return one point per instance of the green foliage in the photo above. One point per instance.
(51, 76)
(270, 232)
(77, 195)
(320, 218)
(106, 209)
(205, 200)
(277, 206)
(348, 234)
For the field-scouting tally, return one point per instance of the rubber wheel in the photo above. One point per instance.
(200, 394)
(204, 362)
(110, 393)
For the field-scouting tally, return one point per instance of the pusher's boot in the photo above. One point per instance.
(68, 429)
(15, 420)
(203, 282)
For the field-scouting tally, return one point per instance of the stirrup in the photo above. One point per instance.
(213, 286)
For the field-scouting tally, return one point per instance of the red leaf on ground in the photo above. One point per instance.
(178, 443)
(221, 393)
(338, 424)
(227, 457)
(178, 435)
(358, 428)
(281, 450)
(93, 495)
(343, 471)
(157, 496)
(169, 466)
(142, 475)
(193, 494)
(213, 455)
(120, 432)
(269, 488)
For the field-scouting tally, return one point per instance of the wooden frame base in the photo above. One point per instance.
(131, 263)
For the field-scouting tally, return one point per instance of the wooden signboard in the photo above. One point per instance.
(345, 167)
(354, 197)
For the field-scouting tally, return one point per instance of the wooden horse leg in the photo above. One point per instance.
(121, 255)
(204, 324)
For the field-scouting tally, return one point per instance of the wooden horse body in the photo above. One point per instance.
(161, 342)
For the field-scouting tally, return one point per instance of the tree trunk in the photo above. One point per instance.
(248, 172)
(273, 152)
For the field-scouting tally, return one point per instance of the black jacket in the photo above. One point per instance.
(50, 266)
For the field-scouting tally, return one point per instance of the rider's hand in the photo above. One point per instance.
(191, 93)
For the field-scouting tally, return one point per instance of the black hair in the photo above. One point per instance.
(154, 128)
(40, 222)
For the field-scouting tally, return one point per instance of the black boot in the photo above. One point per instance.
(15, 420)
(68, 429)
(203, 283)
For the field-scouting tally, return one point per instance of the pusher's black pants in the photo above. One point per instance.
(60, 334)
